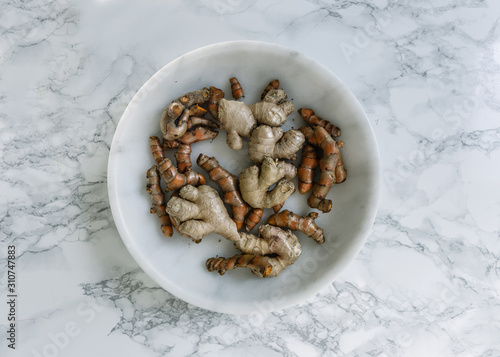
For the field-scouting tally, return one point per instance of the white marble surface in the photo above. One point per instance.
(425, 284)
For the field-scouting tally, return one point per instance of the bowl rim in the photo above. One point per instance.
(329, 277)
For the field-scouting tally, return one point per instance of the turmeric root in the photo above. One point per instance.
(183, 158)
(310, 117)
(215, 96)
(236, 89)
(266, 255)
(200, 211)
(153, 187)
(272, 142)
(275, 84)
(196, 111)
(194, 121)
(174, 129)
(255, 182)
(295, 222)
(253, 219)
(229, 185)
(259, 265)
(273, 110)
(309, 135)
(199, 133)
(306, 169)
(173, 123)
(332, 171)
(278, 207)
(174, 180)
(194, 97)
(156, 149)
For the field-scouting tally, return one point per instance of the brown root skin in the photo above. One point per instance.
(195, 135)
(195, 121)
(275, 84)
(199, 211)
(310, 117)
(183, 158)
(215, 96)
(195, 97)
(173, 123)
(153, 187)
(253, 219)
(174, 180)
(174, 129)
(259, 265)
(255, 183)
(236, 89)
(156, 149)
(229, 185)
(309, 135)
(278, 207)
(306, 168)
(331, 170)
(340, 171)
(199, 133)
(267, 141)
(196, 111)
(295, 222)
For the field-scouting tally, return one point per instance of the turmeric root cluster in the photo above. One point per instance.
(196, 209)
(320, 136)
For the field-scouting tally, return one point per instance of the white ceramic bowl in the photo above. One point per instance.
(177, 264)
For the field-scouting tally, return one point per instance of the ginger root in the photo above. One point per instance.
(266, 255)
(200, 211)
(229, 185)
(272, 142)
(295, 222)
(237, 120)
(153, 187)
(274, 109)
(255, 183)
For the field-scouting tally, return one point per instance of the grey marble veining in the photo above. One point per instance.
(425, 284)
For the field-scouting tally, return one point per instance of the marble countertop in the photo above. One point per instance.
(425, 284)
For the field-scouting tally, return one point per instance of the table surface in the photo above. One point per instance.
(425, 284)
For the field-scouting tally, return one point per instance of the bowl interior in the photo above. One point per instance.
(177, 264)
